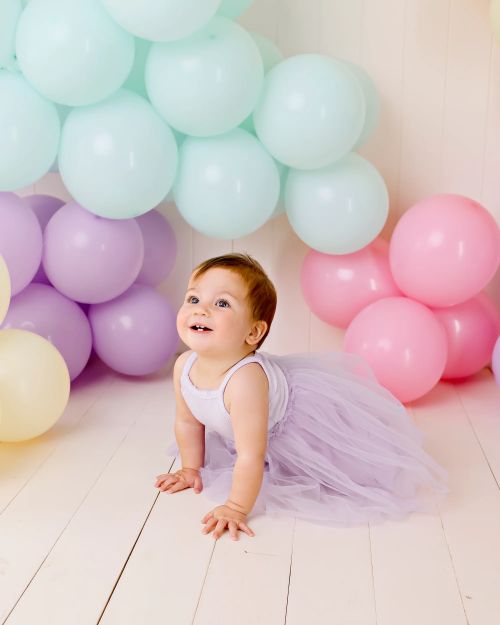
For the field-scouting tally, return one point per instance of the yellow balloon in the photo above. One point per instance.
(34, 385)
(495, 17)
(4, 289)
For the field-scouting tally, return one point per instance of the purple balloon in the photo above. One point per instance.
(495, 361)
(44, 206)
(91, 259)
(43, 310)
(20, 240)
(160, 248)
(135, 333)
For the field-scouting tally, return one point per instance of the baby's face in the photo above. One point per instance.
(216, 301)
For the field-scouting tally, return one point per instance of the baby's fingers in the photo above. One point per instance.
(244, 528)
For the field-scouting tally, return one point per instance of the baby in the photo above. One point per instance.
(310, 435)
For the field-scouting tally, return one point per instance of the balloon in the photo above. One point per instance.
(10, 10)
(233, 8)
(311, 111)
(208, 83)
(91, 259)
(444, 250)
(34, 385)
(135, 333)
(41, 309)
(160, 248)
(495, 361)
(162, 20)
(227, 186)
(338, 287)
(63, 112)
(4, 289)
(73, 52)
(20, 240)
(118, 158)
(404, 344)
(471, 328)
(44, 206)
(29, 133)
(372, 102)
(135, 80)
(271, 55)
(338, 209)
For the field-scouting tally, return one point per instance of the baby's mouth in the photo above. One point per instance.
(200, 328)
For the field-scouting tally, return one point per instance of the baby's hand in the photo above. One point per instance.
(181, 479)
(223, 516)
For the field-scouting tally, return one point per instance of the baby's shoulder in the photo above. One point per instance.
(180, 362)
(249, 377)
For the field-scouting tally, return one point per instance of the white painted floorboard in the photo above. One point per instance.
(85, 538)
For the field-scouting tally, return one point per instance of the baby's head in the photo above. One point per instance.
(232, 297)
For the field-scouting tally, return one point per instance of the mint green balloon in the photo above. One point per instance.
(372, 102)
(227, 186)
(233, 8)
(117, 158)
(72, 51)
(338, 209)
(10, 10)
(29, 133)
(162, 20)
(271, 55)
(311, 111)
(135, 80)
(208, 83)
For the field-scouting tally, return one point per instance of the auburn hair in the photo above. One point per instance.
(261, 293)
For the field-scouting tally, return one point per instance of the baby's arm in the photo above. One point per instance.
(248, 399)
(190, 436)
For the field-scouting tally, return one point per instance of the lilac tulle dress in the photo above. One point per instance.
(341, 449)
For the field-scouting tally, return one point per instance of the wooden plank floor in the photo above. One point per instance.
(85, 538)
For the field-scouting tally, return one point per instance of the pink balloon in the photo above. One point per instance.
(44, 206)
(444, 250)
(135, 333)
(20, 240)
(471, 329)
(160, 248)
(91, 259)
(404, 344)
(337, 287)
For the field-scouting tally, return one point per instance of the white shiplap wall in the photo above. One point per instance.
(437, 68)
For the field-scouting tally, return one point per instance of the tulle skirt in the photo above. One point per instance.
(345, 453)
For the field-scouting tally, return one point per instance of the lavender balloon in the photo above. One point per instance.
(495, 361)
(135, 333)
(160, 248)
(44, 206)
(20, 240)
(43, 310)
(91, 259)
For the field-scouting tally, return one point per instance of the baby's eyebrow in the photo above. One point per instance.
(222, 293)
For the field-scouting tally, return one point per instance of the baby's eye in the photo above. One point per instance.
(190, 298)
(223, 303)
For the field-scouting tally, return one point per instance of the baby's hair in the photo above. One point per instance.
(261, 292)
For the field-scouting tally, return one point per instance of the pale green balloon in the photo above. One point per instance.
(117, 158)
(283, 172)
(10, 10)
(311, 111)
(135, 80)
(227, 186)
(271, 55)
(372, 102)
(73, 52)
(338, 209)
(29, 133)
(233, 8)
(208, 83)
(162, 20)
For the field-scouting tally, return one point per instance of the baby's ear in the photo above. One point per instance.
(257, 332)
